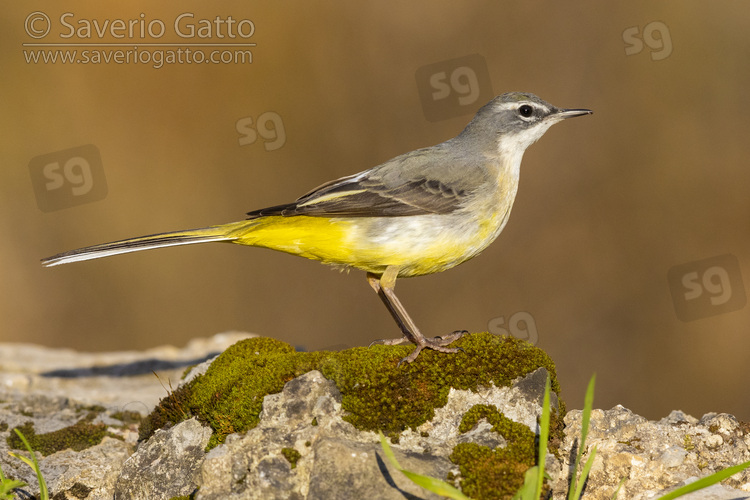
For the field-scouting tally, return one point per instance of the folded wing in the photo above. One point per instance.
(372, 194)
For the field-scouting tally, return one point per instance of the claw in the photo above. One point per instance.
(450, 338)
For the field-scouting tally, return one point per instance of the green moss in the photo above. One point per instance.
(376, 393)
(381, 396)
(510, 430)
(186, 371)
(170, 410)
(489, 474)
(77, 437)
(291, 455)
(495, 473)
(3, 426)
(93, 408)
(229, 397)
(556, 430)
(127, 417)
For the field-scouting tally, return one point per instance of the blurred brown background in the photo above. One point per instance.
(608, 204)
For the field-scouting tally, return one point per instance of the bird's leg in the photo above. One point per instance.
(384, 286)
(374, 282)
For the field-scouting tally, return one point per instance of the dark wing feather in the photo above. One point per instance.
(406, 185)
(366, 195)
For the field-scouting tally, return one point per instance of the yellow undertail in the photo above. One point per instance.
(316, 238)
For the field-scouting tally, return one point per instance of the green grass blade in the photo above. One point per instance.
(527, 491)
(22, 458)
(432, 484)
(588, 404)
(43, 492)
(585, 473)
(435, 485)
(576, 484)
(543, 438)
(8, 485)
(705, 482)
(619, 485)
(388, 452)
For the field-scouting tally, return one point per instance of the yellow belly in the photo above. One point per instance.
(418, 245)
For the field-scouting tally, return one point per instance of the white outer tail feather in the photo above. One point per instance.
(189, 237)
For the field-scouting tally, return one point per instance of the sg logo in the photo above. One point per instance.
(453, 88)
(521, 325)
(270, 127)
(462, 81)
(661, 45)
(707, 287)
(68, 178)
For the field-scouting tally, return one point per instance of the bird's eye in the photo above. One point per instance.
(526, 111)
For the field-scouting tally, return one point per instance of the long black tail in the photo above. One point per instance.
(187, 237)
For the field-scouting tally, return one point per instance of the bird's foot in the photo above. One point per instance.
(436, 344)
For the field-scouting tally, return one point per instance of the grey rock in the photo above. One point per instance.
(253, 465)
(674, 456)
(655, 457)
(483, 435)
(335, 460)
(166, 465)
(122, 380)
(521, 402)
(56, 388)
(365, 473)
(94, 469)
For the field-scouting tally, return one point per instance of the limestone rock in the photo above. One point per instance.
(54, 389)
(166, 465)
(303, 448)
(124, 380)
(655, 457)
(336, 460)
(92, 472)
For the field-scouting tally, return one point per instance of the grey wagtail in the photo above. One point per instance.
(420, 213)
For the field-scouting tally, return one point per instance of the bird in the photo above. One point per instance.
(423, 212)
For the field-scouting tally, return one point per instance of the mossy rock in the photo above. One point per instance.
(77, 437)
(376, 392)
(497, 473)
